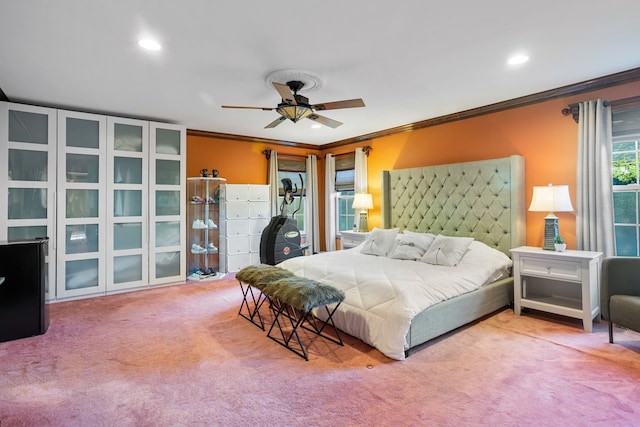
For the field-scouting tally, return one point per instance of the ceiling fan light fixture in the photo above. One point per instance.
(294, 112)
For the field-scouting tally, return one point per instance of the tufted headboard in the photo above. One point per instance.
(483, 199)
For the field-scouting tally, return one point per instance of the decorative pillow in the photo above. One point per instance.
(411, 245)
(379, 242)
(447, 250)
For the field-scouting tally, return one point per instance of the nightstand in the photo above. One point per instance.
(564, 283)
(351, 239)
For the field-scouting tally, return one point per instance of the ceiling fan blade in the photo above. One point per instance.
(285, 93)
(275, 123)
(249, 108)
(349, 103)
(324, 120)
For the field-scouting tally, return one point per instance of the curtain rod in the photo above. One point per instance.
(367, 149)
(574, 109)
(267, 154)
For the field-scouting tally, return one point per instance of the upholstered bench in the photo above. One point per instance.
(252, 280)
(293, 298)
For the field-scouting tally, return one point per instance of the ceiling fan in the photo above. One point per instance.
(295, 107)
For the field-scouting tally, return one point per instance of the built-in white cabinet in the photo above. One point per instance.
(203, 203)
(127, 229)
(81, 207)
(245, 211)
(168, 171)
(28, 177)
(107, 191)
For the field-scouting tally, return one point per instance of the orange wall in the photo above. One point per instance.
(238, 161)
(539, 132)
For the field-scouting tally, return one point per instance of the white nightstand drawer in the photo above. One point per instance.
(567, 270)
(351, 239)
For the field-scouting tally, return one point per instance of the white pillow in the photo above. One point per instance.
(379, 242)
(447, 250)
(481, 255)
(411, 245)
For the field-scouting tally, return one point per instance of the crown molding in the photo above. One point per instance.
(252, 139)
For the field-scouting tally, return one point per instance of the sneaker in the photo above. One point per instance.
(197, 200)
(211, 224)
(198, 224)
(211, 249)
(197, 249)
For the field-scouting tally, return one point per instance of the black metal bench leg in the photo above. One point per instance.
(312, 322)
(252, 313)
(283, 311)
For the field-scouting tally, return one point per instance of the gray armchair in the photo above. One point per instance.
(620, 292)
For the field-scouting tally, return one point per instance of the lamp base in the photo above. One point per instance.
(550, 232)
(363, 226)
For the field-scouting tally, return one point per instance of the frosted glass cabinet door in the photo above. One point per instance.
(127, 204)
(167, 192)
(28, 177)
(81, 227)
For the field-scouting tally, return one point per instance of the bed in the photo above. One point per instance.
(396, 304)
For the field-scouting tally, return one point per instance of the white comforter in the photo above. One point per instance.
(383, 295)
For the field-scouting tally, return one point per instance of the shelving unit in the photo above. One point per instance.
(204, 235)
(245, 211)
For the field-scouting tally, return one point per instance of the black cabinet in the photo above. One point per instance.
(23, 276)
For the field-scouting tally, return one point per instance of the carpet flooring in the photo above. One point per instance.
(181, 355)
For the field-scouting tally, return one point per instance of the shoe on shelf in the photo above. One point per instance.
(211, 224)
(197, 200)
(198, 224)
(211, 249)
(197, 249)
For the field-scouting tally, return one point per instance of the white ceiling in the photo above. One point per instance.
(409, 60)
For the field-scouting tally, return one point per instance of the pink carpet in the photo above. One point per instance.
(181, 355)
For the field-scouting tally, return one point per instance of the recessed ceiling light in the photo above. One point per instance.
(316, 126)
(518, 59)
(149, 44)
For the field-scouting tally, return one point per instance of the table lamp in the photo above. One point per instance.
(551, 198)
(364, 202)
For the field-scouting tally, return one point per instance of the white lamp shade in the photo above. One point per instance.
(362, 201)
(551, 198)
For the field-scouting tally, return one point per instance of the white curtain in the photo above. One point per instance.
(594, 194)
(360, 179)
(273, 182)
(311, 212)
(330, 203)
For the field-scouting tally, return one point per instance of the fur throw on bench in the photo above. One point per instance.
(261, 275)
(302, 293)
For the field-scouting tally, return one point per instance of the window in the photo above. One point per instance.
(345, 189)
(295, 170)
(626, 197)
